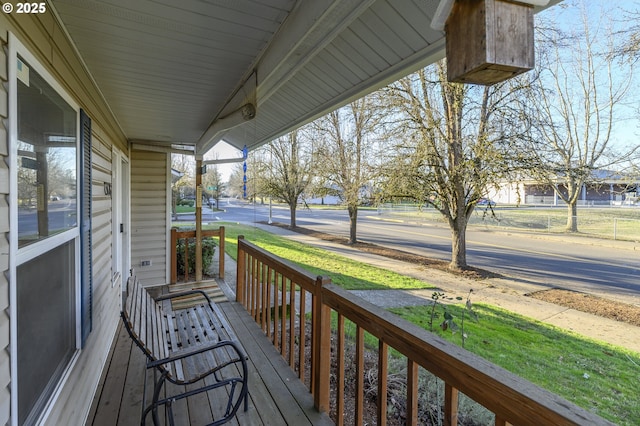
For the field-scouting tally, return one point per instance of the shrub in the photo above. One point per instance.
(208, 250)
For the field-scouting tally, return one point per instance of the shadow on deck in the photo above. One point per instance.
(276, 395)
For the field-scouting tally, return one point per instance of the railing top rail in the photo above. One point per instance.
(288, 269)
(509, 396)
(192, 233)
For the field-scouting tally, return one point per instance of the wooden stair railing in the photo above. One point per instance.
(177, 235)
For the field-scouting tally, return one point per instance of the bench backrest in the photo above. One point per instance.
(144, 319)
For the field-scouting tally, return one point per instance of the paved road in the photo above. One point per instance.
(597, 267)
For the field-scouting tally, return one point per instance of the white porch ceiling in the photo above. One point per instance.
(172, 71)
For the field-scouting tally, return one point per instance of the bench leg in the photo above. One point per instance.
(153, 407)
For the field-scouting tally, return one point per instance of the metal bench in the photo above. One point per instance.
(185, 347)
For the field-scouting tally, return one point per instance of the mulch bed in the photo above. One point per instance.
(591, 304)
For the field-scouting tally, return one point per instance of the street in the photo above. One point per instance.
(587, 265)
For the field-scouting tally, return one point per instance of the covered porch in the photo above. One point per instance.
(320, 355)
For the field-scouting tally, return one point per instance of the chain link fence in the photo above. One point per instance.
(622, 223)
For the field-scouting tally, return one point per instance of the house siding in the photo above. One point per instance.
(149, 180)
(42, 35)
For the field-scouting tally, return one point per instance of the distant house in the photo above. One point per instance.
(606, 189)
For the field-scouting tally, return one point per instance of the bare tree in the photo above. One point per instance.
(212, 184)
(572, 107)
(345, 153)
(185, 164)
(449, 151)
(286, 169)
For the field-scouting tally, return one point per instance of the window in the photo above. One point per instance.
(47, 158)
(45, 285)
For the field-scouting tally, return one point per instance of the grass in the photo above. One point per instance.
(598, 377)
(347, 273)
(185, 209)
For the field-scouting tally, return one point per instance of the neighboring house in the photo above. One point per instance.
(606, 189)
(95, 96)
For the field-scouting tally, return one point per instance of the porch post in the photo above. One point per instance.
(321, 355)
(199, 218)
(240, 272)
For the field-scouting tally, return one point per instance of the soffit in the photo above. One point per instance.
(172, 71)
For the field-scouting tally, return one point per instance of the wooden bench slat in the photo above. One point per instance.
(172, 327)
(200, 316)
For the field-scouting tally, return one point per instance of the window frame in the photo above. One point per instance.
(18, 256)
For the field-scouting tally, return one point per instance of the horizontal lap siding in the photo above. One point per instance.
(149, 215)
(78, 394)
(43, 37)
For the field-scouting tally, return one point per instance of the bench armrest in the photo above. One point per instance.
(194, 350)
(170, 296)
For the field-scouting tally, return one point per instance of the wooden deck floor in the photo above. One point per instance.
(277, 397)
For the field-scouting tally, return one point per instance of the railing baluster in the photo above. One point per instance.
(276, 310)
(302, 333)
(450, 405)
(174, 255)
(359, 375)
(382, 382)
(267, 303)
(340, 373)
(254, 290)
(221, 251)
(186, 259)
(292, 323)
(412, 393)
(283, 318)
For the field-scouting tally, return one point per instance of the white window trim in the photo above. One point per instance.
(19, 256)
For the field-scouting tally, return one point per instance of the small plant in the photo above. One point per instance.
(468, 309)
(435, 296)
(448, 322)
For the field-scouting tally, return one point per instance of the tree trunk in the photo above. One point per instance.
(353, 220)
(458, 243)
(292, 214)
(572, 216)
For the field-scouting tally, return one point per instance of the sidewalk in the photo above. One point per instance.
(508, 294)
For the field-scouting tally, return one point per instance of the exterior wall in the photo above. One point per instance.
(149, 228)
(5, 367)
(76, 397)
(41, 34)
(508, 193)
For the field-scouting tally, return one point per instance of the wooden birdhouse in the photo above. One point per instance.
(489, 41)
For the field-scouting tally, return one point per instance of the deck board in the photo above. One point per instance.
(276, 396)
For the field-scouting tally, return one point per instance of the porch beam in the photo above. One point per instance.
(309, 28)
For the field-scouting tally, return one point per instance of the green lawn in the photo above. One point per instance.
(347, 273)
(185, 209)
(596, 376)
